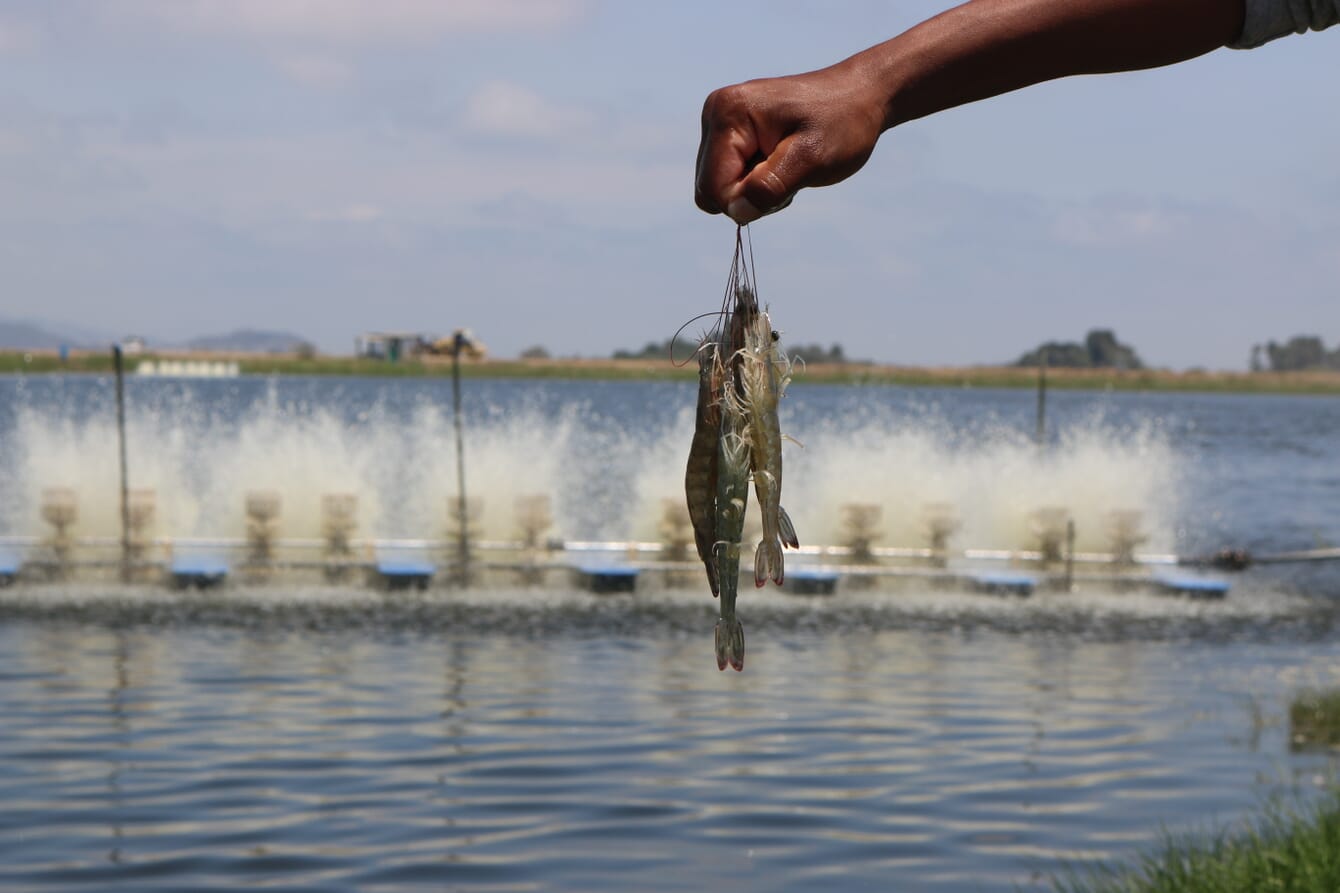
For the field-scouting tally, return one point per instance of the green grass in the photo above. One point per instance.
(43, 362)
(495, 369)
(1314, 721)
(1283, 851)
(662, 370)
(1076, 379)
(12, 362)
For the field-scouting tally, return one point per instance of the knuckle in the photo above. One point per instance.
(722, 101)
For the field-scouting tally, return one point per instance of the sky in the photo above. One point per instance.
(525, 168)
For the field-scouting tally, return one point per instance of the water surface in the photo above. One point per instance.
(328, 738)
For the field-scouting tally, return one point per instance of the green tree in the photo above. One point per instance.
(1299, 353)
(1100, 350)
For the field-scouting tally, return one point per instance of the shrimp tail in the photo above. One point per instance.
(768, 563)
(788, 530)
(730, 644)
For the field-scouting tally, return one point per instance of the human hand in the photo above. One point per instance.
(763, 140)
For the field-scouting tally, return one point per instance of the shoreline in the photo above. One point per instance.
(1311, 382)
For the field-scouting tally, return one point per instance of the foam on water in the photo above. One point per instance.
(560, 610)
(403, 470)
(994, 484)
(604, 478)
(994, 478)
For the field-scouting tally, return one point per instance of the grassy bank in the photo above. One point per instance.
(1078, 379)
(662, 370)
(1286, 851)
(1283, 852)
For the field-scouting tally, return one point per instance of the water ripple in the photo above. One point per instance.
(203, 758)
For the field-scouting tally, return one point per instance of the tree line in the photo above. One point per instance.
(1299, 353)
(1100, 350)
(683, 347)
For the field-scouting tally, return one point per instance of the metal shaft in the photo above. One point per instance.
(462, 513)
(1069, 555)
(1041, 432)
(121, 441)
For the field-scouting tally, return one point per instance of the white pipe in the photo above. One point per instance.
(642, 547)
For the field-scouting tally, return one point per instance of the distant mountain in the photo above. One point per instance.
(19, 335)
(249, 341)
(35, 334)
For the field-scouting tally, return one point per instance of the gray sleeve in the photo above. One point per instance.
(1268, 19)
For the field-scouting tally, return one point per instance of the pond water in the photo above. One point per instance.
(324, 738)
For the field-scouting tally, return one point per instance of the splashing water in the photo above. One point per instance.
(401, 468)
(992, 481)
(608, 475)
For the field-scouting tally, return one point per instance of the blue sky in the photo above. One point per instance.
(524, 167)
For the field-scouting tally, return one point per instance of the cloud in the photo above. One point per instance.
(358, 21)
(1117, 223)
(315, 71)
(355, 213)
(504, 109)
(16, 36)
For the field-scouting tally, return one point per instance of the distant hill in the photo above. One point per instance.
(250, 341)
(20, 335)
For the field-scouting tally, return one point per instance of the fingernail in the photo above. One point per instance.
(742, 211)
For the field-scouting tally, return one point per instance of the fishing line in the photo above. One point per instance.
(708, 336)
(741, 278)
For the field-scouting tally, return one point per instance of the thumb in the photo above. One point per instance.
(773, 182)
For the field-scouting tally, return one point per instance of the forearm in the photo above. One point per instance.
(988, 47)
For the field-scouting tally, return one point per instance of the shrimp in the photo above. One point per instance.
(732, 497)
(718, 364)
(764, 374)
(733, 461)
(700, 477)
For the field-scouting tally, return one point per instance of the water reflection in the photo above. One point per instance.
(947, 761)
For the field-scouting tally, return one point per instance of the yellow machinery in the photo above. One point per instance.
(471, 347)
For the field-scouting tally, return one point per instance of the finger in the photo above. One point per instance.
(720, 169)
(742, 211)
(699, 197)
(773, 182)
(727, 142)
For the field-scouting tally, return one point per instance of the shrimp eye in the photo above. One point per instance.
(776, 336)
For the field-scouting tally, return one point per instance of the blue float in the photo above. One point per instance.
(811, 581)
(9, 568)
(1004, 583)
(402, 574)
(607, 578)
(197, 572)
(1192, 587)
